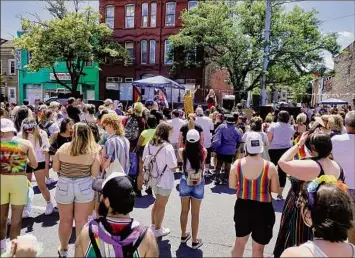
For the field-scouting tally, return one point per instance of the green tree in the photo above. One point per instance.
(73, 38)
(233, 38)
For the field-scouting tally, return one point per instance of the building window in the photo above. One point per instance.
(153, 14)
(110, 16)
(145, 15)
(170, 14)
(130, 49)
(168, 58)
(12, 93)
(152, 46)
(191, 5)
(130, 16)
(88, 63)
(144, 55)
(12, 70)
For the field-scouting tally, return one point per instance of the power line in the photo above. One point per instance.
(340, 17)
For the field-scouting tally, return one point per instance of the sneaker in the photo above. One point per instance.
(183, 240)
(161, 232)
(217, 181)
(50, 181)
(280, 197)
(49, 209)
(197, 245)
(152, 227)
(62, 254)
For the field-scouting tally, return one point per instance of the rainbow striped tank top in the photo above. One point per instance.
(257, 189)
(13, 159)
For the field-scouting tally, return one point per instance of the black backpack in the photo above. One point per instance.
(132, 129)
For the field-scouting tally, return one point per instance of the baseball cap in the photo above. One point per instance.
(199, 111)
(230, 119)
(41, 107)
(54, 104)
(149, 102)
(254, 143)
(193, 136)
(7, 126)
(108, 101)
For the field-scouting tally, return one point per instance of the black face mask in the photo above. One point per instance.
(103, 210)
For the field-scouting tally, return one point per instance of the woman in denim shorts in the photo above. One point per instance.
(192, 185)
(76, 162)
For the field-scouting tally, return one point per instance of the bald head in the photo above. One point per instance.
(350, 121)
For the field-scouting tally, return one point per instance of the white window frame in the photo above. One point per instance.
(9, 66)
(170, 14)
(146, 52)
(166, 60)
(125, 45)
(128, 80)
(125, 16)
(194, 3)
(153, 14)
(152, 51)
(145, 15)
(110, 21)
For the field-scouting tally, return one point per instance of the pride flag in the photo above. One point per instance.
(136, 95)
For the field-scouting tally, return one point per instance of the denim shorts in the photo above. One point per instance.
(70, 190)
(161, 191)
(195, 191)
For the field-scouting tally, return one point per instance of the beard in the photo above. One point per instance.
(103, 210)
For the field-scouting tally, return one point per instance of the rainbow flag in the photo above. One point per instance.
(162, 99)
(136, 95)
(301, 154)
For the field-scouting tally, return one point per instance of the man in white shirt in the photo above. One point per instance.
(344, 153)
(176, 122)
(207, 127)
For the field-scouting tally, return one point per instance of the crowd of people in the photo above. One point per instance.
(106, 157)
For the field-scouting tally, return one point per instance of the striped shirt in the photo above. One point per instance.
(257, 189)
(117, 147)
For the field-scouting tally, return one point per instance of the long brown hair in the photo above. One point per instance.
(191, 121)
(36, 130)
(83, 141)
(161, 134)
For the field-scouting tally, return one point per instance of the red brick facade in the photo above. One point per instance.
(160, 33)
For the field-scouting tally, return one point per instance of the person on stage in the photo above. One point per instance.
(211, 99)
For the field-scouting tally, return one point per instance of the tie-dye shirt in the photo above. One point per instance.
(13, 159)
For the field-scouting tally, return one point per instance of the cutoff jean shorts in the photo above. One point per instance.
(70, 190)
(194, 191)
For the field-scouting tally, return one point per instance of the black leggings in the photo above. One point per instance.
(275, 155)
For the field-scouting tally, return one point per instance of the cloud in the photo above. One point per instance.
(328, 60)
(346, 34)
(345, 38)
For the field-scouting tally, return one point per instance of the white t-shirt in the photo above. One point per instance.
(166, 157)
(282, 135)
(344, 153)
(176, 123)
(37, 148)
(207, 126)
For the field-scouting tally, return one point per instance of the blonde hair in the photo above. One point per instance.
(138, 109)
(336, 123)
(83, 141)
(113, 120)
(37, 137)
(191, 121)
(301, 119)
(269, 118)
(101, 107)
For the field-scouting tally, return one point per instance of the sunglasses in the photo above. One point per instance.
(29, 126)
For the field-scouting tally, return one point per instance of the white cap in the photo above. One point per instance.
(199, 111)
(193, 136)
(254, 143)
(108, 101)
(7, 126)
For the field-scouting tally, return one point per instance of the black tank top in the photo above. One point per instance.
(341, 175)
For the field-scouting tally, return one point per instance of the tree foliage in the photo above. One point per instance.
(75, 38)
(232, 37)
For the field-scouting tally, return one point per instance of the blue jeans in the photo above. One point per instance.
(195, 191)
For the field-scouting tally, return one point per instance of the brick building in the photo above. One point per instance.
(8, 70)
(343, 84)
(143, 28)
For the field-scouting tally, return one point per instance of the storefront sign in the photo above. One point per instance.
(61, 76)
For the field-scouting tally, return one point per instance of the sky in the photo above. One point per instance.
(332, 13)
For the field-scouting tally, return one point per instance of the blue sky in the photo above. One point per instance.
(328, 11)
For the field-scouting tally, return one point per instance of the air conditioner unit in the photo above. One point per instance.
(114, 79)
(128, 80)
(190, 81)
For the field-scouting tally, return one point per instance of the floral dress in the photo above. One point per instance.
(188, 104)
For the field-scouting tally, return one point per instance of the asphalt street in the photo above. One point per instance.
(216, 224)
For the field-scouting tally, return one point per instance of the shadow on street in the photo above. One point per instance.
(186, 251)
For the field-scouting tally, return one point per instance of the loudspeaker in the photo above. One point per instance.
(228, 104)
(264, 110)
(256, 102)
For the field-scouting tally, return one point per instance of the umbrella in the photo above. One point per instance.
(158, 82)
(333, 101)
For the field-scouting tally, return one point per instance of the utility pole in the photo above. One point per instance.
(266, 52)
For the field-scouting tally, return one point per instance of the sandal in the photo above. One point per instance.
(183, 240)
(197, 245)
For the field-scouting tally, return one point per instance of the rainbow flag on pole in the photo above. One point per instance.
(136, 94)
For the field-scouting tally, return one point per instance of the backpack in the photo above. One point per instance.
(46, 128)
(192, 177)
(124, 245)
(151, 175)
(132, 129)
